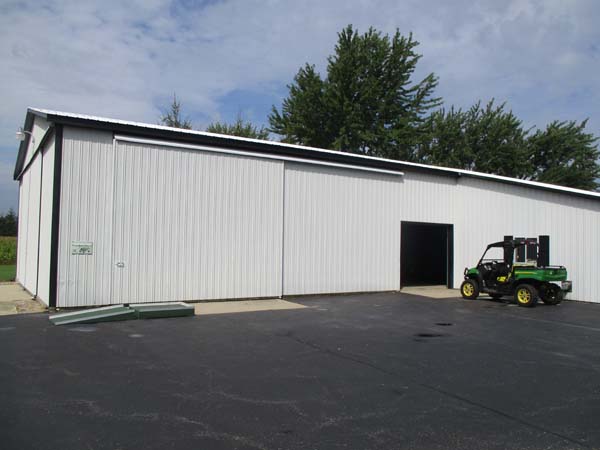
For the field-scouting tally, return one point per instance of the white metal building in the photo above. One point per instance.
(121, 212)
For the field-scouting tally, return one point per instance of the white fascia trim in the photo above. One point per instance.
(123, 138)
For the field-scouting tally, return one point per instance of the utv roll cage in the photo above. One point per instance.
(509, 249)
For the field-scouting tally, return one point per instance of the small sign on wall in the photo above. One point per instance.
(82, 248)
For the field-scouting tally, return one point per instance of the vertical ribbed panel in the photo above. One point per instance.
(342, 230)
(427, 198)
(23, 227)
(29, 213)
(29, 209)
(39, 128)
(191, 225)
(85, 215)
(330, 213)
(46, 223)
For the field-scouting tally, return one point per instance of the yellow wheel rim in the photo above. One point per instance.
(468, 289)
(524, 296)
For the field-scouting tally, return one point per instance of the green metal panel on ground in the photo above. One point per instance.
(108, 314)
(156, 311)
(122, 312)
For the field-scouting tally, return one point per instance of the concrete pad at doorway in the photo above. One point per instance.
(431, 291)
(230, 307)
(16, 300)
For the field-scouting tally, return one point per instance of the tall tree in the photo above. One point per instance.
(368, 102)
(304, 117)
(173, 118)
(239, 128)
(486, 139)
(565, 154)
(446, 143)
(496, 138)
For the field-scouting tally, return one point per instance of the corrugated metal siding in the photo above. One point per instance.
(192, 225)
(426, 198)
(341, 235)
(39, 128)
(29, 211)
(21, 226)
(85, 215)
(46, 223)
(187, 225)
(22, 233)
(328, 214)
(27, 241)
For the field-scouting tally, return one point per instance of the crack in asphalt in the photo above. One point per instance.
(91, 408)
(347, 357)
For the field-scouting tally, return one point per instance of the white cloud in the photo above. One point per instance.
(125, 59)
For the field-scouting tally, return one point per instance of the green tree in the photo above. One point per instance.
(368, 102)
(304, 116)
(173, 118)
(9, 223)
(496, 138)
(239, 128)
(486, 139)
(446, 143)
(565, 154)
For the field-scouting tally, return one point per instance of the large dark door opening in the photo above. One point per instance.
(426, 254)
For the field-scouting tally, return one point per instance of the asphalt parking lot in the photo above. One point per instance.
(385, 371)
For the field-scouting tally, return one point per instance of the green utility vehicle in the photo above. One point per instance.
(498, 275)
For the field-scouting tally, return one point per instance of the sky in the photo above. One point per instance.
(125, 60)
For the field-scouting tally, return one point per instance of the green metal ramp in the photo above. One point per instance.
(106, 314)
(122, 312)
(163, 310)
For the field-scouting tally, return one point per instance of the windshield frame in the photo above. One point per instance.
(503, 260)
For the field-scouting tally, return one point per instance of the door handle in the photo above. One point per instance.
(120, 264)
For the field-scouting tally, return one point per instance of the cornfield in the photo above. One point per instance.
(8, 250)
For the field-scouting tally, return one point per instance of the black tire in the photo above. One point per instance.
(496, 296)
(552, 295)
(469, 289)
(526, 295)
